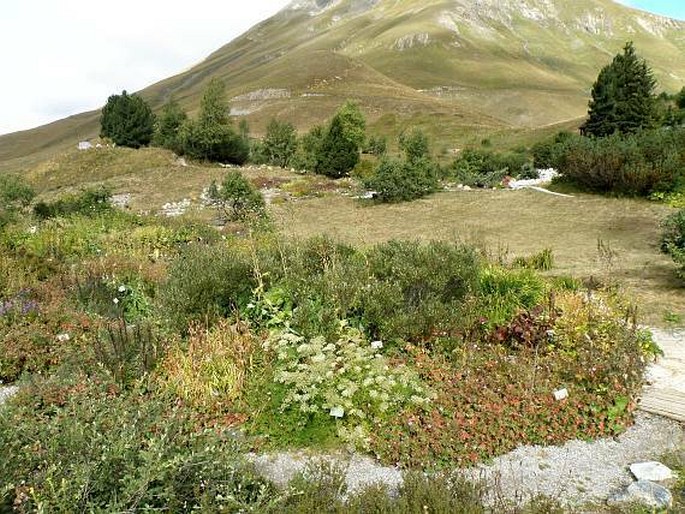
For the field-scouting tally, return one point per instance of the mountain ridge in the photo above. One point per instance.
(471, 66)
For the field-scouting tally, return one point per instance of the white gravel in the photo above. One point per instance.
(6, 392)
(576, 473)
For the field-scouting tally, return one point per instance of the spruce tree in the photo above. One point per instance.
(280, 143)
(127, 120)
(212, 137)
(169, 125)
(623, 97)
(338, 155)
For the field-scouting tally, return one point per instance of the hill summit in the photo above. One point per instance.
(463, 66)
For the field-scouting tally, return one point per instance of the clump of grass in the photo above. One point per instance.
(211, 370)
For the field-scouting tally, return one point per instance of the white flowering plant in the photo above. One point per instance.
(348, 379)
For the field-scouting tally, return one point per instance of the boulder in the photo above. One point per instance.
(645, 493)
(652, 471)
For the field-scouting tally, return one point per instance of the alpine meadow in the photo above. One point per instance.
(371, 256)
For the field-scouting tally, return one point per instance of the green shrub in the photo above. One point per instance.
(376, 145)
(15, 195)
(485, 168)
(414, 145)
(77, 446)
(673, 239)
(639, 164)
(206, 283)
(127, 120)
(400, 181)
(417, 291)
(546, 153)
(237, 198)
(338, 155)
(89, 202)
(279, 144)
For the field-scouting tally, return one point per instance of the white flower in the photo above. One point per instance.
(337, 412)
(62, 338)
(377, 345)
(116, 301)
(122, 288)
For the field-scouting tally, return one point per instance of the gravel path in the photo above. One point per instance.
(575, 474)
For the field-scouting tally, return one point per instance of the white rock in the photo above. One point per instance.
(337, 412)
(377, 345)
(652, 471)
(63, 338)
(561, 394)
(467, 188)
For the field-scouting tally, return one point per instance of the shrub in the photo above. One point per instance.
(376, 145)
(169, 126)
(237, 198)
(546, 153)
(308, 149)
(89, 202)
(279, 144)
(211, 136)
(102, 451)
(397, 181)
(673, 239)
(206, 283)
(639, 164)
(15, 195)
(414, 144)
(348, 379)
(485, 168)
(338, 155)
(417, 291)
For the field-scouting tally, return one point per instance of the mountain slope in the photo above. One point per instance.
(463, 66)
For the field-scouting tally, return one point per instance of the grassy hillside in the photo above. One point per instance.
(475, 68)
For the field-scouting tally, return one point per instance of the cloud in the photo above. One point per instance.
(60, 58)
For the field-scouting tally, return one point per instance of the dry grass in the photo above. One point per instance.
(518, 223)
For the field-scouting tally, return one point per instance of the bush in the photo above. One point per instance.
(398, 181)
(89, 202)
(417, 291)
(414, 144)
(376, 145)
(279, 144)
(237, 198)
(546, 153)
(338, 155)
(639, 164)
(15, 195)
(102, 451)
(206, 283)
(673, 239)
(485, 168)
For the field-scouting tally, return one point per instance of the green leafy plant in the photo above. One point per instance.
(349, 379)
(237, 198)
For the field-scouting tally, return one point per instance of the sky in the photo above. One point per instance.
(62, 57)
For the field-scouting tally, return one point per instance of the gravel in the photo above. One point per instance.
(6, 392)
(576, 473)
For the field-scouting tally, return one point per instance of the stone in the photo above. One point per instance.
(652, 471)
(645, 493)
(560, 394)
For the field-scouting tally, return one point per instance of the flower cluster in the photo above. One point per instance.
(349, 379)
(19, 305)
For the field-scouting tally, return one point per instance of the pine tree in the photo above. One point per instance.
(169, 125)
(623, 97)
(212, 137)
(338, 155)
(127, 120)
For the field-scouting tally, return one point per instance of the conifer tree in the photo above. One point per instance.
(338, 154)
(127, 120)
(623, 97)
(169, 124)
